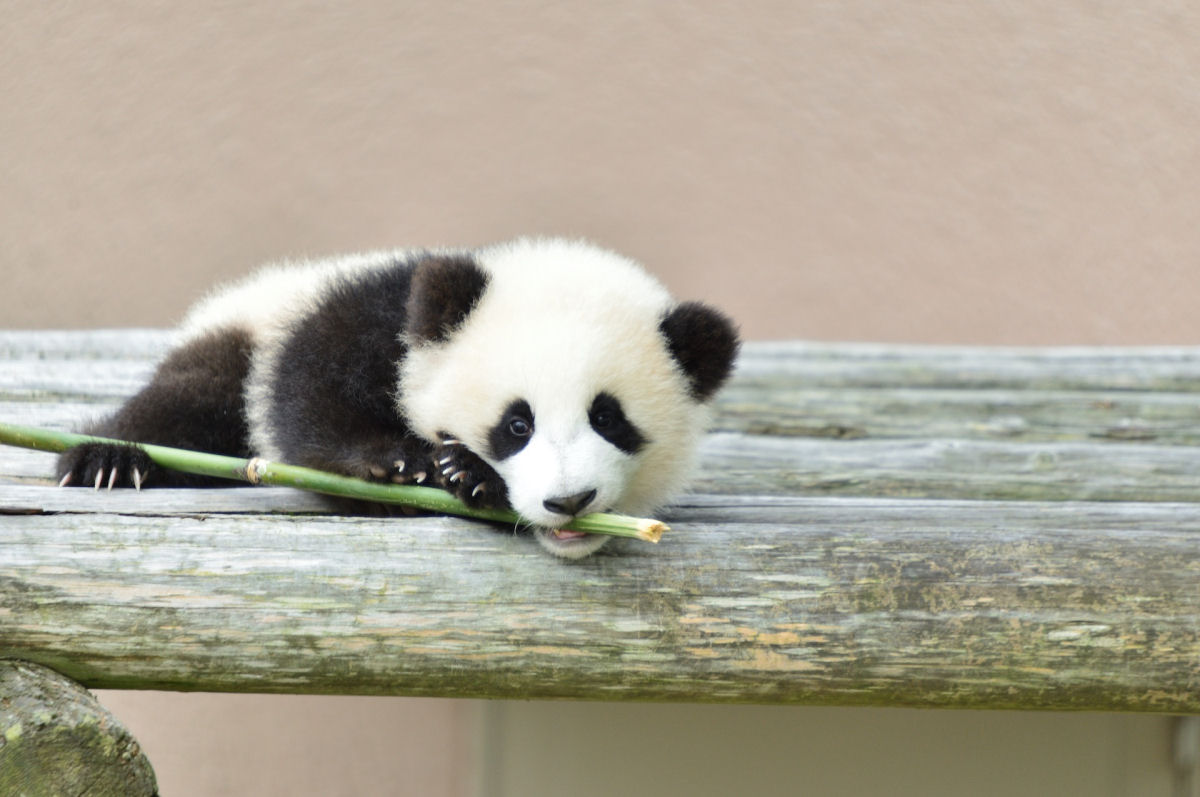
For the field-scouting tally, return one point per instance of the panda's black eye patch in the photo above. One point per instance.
(608, 420)
(512, 431)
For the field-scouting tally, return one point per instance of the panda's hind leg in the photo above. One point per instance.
(193, 401)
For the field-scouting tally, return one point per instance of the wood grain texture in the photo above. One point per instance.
(855, 601)
(931, 559)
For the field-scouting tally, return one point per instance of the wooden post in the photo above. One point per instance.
(56, 739)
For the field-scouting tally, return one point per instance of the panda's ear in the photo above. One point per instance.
(704, 342)
(443, 292)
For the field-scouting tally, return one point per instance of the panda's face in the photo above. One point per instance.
(559, 462)
(573, 422)
(567, 369)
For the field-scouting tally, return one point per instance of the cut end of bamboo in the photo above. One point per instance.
(651, 530)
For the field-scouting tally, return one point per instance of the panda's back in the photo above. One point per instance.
(267, 301)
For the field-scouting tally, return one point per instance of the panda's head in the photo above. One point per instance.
(569, 370)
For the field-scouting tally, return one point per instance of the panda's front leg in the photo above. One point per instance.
(383, 457)
(463, 473)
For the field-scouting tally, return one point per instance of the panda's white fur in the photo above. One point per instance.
(558, 323)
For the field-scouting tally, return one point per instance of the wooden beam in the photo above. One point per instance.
(842, 601)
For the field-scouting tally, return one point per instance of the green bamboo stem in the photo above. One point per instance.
(260, 471)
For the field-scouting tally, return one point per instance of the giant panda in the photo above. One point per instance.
(546, 375)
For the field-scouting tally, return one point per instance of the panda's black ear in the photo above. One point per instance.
(443, 292)
(704, 342)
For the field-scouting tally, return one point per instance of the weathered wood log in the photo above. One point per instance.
(851, 413)
(55, 739)
(819, 563)
(843, 601)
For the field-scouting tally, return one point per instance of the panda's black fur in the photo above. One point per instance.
(193, 401)
(329, 365)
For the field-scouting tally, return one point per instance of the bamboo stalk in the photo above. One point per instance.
(260, 471)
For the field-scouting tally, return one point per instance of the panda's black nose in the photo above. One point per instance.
(569, 504)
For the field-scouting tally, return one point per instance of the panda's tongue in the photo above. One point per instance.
(566, 534)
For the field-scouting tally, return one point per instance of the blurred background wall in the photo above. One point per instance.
(987, 172)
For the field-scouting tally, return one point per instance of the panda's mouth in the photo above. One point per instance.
(568, 543)
(568, 534)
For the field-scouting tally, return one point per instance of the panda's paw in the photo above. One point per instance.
(462, 472)
(104, 465)
(407, 462)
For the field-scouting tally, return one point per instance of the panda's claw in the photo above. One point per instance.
(106, 465)
(471, 479)
(394, 461)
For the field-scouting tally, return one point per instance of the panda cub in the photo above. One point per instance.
(547, 376)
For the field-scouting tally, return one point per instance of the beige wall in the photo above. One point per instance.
(603, 750)
(984, 172)
(1021, 172)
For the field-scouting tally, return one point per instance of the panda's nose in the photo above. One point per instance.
(569, 504)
